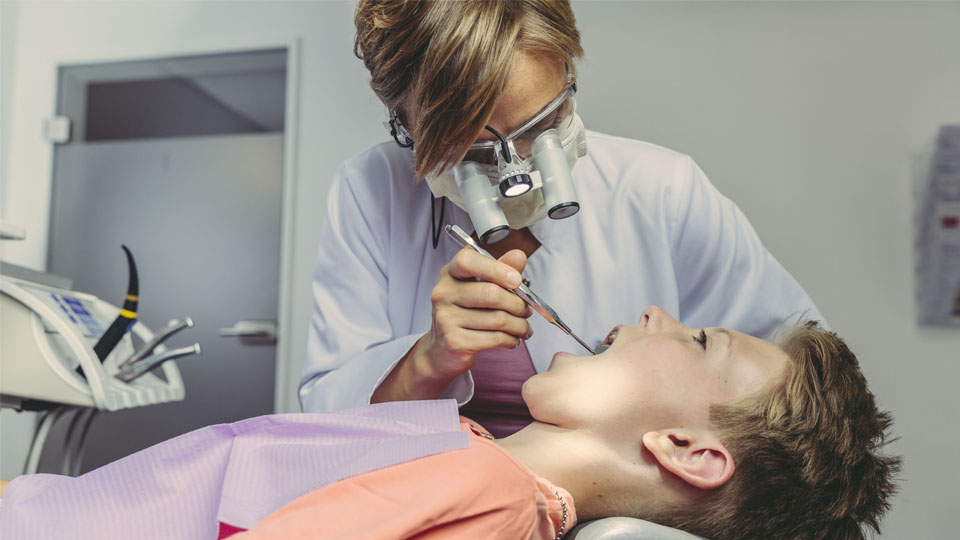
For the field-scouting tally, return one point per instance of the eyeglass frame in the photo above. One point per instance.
(567, 93)
(397, 129)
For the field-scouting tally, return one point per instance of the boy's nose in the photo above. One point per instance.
(654, 318)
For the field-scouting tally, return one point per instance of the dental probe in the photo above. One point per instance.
(523, 291)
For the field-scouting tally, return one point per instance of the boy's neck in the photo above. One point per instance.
(573, 460)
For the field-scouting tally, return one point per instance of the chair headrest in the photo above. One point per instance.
(626, 528)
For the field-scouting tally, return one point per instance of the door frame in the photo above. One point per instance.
(285, 364)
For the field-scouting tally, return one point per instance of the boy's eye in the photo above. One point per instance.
(701, 339)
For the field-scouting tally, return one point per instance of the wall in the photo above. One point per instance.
(805, 113)
(8, 38)
(13, 450)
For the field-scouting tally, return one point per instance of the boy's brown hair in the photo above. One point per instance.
(807, 453)
(443, 65)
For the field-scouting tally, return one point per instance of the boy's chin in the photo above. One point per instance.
(560, 358)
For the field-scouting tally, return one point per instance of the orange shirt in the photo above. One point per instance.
(477, 492)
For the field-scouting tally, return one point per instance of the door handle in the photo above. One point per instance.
(259, 330)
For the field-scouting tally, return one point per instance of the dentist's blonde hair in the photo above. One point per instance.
(442, 65)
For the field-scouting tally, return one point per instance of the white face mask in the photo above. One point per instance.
(527, 208)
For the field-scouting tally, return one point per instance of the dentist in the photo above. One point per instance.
(481, 104)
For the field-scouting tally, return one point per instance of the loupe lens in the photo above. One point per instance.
(480, 198)
(558, 192)
(495, 235)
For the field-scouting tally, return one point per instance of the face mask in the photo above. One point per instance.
(478, 187)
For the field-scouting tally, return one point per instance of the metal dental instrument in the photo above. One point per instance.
(162, 335)
(131, 372)
(523, 291)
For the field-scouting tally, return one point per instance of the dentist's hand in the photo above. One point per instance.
(472, 311)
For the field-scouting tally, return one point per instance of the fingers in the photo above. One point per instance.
(468, 264)
(473, 311)
(451, 318)
(471, 280)
(481, 295)
(515, 258)
(467, 341)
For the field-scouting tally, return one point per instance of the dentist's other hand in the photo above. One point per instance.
(472, 311)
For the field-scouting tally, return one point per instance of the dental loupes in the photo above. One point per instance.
(523, 291)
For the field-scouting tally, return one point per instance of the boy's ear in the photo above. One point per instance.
(699, 459)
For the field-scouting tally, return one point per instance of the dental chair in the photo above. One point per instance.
(626, 528)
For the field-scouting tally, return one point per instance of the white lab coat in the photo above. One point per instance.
(652, 230)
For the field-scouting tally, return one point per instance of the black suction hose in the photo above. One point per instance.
(127, 316)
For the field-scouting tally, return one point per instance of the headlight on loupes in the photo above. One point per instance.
(545, 174)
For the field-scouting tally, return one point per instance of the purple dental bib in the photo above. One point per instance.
(236, 473)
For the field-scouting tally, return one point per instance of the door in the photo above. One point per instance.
(199, 205)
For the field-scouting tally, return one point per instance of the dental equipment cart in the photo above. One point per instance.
(48, 362)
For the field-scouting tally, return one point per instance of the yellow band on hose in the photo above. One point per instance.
(126, 313)
(133, 297)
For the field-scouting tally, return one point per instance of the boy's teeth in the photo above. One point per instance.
(610, 337)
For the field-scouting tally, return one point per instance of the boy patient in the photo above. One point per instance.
(707, 430)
